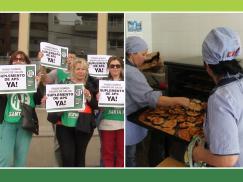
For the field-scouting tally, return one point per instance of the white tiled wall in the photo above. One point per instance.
(180, 35)
(146, 32)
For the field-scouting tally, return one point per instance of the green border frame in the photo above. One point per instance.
(146, 175)
(121, 5)
(121, 175)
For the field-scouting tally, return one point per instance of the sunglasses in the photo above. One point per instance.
(19, 60)
(115, 66)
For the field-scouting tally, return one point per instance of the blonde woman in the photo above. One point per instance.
(75, 129)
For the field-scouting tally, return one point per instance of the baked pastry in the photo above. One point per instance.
(177, 110)
(184, 134)
(191, 119)
(200, 119)
(157, 121)
(170, 123)
(181, 118)
(192, 113)
(170, 131)
(194, 131)
(186, 125)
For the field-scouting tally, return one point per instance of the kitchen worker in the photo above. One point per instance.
(139, 94)
(223, 127)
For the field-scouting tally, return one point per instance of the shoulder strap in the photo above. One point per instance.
(19, 97)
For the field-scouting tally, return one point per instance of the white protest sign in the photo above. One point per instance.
(64, 97)
(98, 65)
(54, 56)
(112, 93)
(17, 78)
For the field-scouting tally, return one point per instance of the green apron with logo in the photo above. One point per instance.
(13, 110)
(70, 118)
(115, 114)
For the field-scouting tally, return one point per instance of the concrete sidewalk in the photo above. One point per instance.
(41, 152)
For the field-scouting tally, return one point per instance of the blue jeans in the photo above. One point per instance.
(131, 155)
(14, 145)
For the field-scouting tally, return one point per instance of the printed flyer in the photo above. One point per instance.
(64, 97)
(17, 79)
(53, 56)
(98, 65)
(112, 93)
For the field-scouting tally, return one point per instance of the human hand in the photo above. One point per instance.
(184, 101)
(87, 94)
(38, 79)
(40, 55)
(197, 153)
(43, 101)
(98, 96)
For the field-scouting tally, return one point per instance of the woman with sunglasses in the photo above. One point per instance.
(14, 140)
(112, 123)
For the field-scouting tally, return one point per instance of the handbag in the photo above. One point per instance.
(54, 117)
(29, 118)
(86, 123)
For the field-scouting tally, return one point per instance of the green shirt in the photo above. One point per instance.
(13, 110)
(70, 118)
(62, 76)
(115, 114)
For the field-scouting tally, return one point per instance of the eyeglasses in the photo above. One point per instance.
(19, 60)
(115, 66)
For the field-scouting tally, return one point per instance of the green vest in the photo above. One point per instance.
(62, 76)
(13, 110)
(111, 113)
(70, 118)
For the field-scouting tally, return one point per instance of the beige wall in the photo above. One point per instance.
(102, 33)
(24, 31)
(178, 35)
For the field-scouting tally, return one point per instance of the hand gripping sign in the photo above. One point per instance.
(17, 79)
(112, 93)
(98, 65)
(64, 97)
(54, 56)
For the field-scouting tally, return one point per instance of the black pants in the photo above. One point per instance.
(157, 150)
(73, 145)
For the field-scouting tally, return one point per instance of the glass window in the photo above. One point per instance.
(77, 31)
(115, 44)
(9, 29)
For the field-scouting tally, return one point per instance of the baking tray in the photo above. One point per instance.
(175, 146)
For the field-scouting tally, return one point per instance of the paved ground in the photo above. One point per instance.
(41, 152)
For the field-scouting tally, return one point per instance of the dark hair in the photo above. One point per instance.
(112, 58)
(14, 54)
(226, 67)
(71, 52)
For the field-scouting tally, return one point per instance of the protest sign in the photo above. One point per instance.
(64, 97)
(98, 65)
(53, 56)
(17, 79)
(112, 93)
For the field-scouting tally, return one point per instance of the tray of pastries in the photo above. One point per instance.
(178, 121)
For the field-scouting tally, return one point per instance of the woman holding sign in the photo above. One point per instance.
(112, 123)
(14, 140)
(75, 129)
